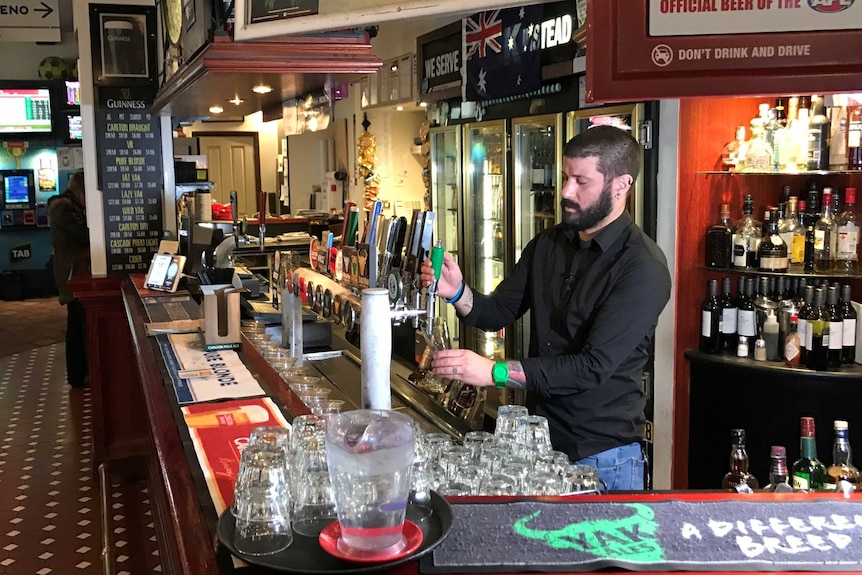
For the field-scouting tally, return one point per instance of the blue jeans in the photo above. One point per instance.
(621, 468)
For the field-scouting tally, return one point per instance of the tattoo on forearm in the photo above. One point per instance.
(517, 377)
(465, 305)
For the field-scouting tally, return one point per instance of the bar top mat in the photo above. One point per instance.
(649, 535)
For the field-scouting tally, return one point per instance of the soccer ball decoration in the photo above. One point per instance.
(55, 68)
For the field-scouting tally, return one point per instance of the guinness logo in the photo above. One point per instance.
(125, 92)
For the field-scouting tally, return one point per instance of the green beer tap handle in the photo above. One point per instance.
(437, 259)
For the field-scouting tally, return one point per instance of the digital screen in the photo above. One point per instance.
(76, 127)
(25, 110)
(164, 272)
(16, 190)
(73, 93)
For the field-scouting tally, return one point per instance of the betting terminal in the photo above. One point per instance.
(18, 201)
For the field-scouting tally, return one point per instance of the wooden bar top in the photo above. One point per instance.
(186, 525)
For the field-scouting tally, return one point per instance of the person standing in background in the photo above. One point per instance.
(594, 285)
(70, 240)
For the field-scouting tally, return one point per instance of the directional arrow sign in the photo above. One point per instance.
(29, 21)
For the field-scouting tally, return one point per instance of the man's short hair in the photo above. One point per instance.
(616, 152)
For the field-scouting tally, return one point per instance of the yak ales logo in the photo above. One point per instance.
(829, 6)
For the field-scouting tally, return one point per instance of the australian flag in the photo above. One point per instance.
(502, 49)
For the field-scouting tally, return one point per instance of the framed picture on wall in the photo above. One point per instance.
(123, 42)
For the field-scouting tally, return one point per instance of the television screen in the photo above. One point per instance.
(25, 110)
(18, 188)
(76, 127)
(73, 93)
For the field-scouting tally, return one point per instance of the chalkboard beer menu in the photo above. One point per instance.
(130, 176)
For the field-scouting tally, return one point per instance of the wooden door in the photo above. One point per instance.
(233, 162)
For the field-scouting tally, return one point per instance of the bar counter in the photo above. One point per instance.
(185, 517)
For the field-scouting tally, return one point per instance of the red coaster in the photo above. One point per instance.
(330, 541)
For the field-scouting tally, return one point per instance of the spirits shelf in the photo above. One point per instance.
(785, 274)
(813, 173)
(773, 368)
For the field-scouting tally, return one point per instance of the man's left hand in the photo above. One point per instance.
(463, 365)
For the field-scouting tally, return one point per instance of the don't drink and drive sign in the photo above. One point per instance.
(29, 21)
(703, 17)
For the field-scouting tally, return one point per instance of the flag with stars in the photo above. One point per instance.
(502, 51)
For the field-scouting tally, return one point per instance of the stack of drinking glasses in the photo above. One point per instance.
(261, 504)
(517, 459)
(314, 394)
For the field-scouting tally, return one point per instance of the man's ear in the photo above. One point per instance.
(622, 184)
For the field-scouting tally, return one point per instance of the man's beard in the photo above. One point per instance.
(582, 220)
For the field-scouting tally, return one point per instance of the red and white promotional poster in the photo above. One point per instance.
(220, 432)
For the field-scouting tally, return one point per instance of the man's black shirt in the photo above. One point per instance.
(593, 310)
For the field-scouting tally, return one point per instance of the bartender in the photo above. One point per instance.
(594, 285)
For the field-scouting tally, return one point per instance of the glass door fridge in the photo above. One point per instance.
(627, 117)
(536, 157)
(446, 201)
(485, 208)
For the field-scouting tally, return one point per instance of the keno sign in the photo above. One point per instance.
(706, 17)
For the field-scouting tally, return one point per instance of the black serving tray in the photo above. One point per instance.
(305, 555)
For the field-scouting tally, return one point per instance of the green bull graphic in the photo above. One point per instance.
(626, 539)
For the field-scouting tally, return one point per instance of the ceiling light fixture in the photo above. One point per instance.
(262, 89)
(236, 101)
(216, 109)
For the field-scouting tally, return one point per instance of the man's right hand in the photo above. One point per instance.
(450, 276)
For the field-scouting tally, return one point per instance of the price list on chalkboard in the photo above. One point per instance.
(130, 174)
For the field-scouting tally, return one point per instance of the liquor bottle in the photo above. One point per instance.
(836, 330)
(841, 472)
(846, 254)
(738, 478)
(779, 476)
(799, 129)
(808, 262)
(792, 108)
(780, 111)
(710, 320)
(746, 237)
(825, 236)
(772, 251)
(719, 241)
(848, 325)
(793, 345)
(772, 131)
(793, 235)
(728, 317)
(758, 154)
(816, 331)
(770, 335)
(818, 136)
(730, 155)
(854, 138)
(812, 205)
(806, 313)
(746, 322)
(838, 136)
(808, 471)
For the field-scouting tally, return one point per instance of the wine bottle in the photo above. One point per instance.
(808, 471)
(846, 254)
(738, 479)
(817, 336)
(841, 474)
(836, 330)
(854, 138)
(825, 236)
(802, 323)
(818, 136)
(772, 251)
(848, 327)
(719, 241)
(792, 345)
(746, 323)
(710, 314)
(728, 317)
